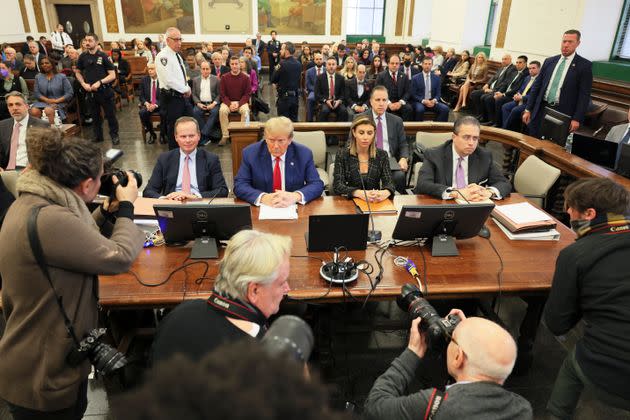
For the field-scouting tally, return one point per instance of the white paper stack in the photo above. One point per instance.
(546, 235)
(277, 213)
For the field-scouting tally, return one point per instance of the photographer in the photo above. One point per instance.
(64, 174)
(479, 356)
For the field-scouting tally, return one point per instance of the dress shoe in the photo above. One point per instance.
(162, 138)
(152, 138)
(115, 140)
(486, 123)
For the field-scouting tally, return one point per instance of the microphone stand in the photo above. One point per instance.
(373, 235)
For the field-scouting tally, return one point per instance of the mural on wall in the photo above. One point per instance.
(293, 17)
(226, 16)
(154, 16)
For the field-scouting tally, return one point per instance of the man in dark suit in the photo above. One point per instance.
(258, 44)
(150, 103)
(428, 98)
(564, 84)
(13, 132)
(459, 168)
(273, 53)
(186, 173)
(311, 78)
(277, 172)
(390, 135)
(218, 69)
(408, 68)
(358, 91)
(340, 55)
(491, 105)
(206, 100)
(511, 111)
(287, 81)
(331, 100)
(398, 89)
(498, 83)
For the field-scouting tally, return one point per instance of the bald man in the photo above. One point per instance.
(480, 357)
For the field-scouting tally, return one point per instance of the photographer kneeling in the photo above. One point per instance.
(480, 356)
(38, 380)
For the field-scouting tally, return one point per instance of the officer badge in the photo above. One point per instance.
(164, 60)
(99, 61)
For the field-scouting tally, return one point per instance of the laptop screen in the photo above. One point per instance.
(600, 152)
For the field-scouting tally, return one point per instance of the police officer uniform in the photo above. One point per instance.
(273, 47)
(287, 77)
(94, 67)
(173, 79)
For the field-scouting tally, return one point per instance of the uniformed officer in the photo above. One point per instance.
(273, 52)
(174, 89)
(287, 80)
(95, 72)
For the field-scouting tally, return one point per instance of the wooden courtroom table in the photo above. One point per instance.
(528, 265)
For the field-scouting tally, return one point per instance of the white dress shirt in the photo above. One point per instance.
(446, 194)
(282, 164)
(192, 168)
(205, 93)
(60, 40)
(21, 158)
(564, 74)
(384, 124)
(169, 71)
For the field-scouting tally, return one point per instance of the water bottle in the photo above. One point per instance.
(247, 118)
(57, 118)
(569, 144)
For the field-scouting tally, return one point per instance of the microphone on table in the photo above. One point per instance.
(373, 235)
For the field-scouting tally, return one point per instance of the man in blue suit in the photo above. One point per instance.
(186, 173)
(311, 79)
(511, 111)
(150, 103)
(427, 99)
(564, 84)
(276, 171)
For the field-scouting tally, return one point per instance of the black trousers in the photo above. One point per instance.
(103, 98)
(405, 112)
(174, 107)
(340, 112)
(400, 181)
(145, 119)
(71, 413)
(288, 107)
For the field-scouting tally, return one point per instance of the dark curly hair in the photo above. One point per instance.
(65, 160)
(236, 381)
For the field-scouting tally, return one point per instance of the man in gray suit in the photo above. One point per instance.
(207, 99)
(459, 168)
(620, 133)
(390, 135)
(13, 132)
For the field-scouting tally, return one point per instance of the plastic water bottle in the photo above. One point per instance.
(57, 118)
(569, 144)
(247, 118)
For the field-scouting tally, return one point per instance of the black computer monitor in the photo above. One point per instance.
(327, 232)
(555, 126)
(623, 162)
(443, 223)
(206, 224)
(600, 152)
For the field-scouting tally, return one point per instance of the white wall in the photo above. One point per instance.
(11, 26)
(458, 24)
(422, 19)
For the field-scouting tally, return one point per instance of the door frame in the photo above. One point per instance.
(53, 18)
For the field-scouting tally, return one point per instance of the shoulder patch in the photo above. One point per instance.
(163, 60)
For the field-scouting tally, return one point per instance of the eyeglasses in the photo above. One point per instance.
(457, 344)
(176, 39)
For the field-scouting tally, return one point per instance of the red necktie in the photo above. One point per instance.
(408, 72)
(186, 176)
(15, 141)
(394, 77)
(153, 92)
(332, 88)
(319, 71)
(277, 176)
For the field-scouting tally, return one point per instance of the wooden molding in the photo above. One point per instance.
(336, 9)
(412, 8)
(110, 16)
(39, 16)
(27, 26)
(400, 15)
(503, 23)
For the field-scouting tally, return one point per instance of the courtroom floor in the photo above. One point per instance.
(358, 354)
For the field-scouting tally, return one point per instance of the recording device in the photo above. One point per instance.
(373, 235)
(102, 356)
(439, 330)
(291, 336)
(109, 170)
(339, 272)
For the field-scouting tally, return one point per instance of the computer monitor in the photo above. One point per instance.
(600, 152)
(206, 224)
(443, 223)
(555, 126)
(327, 232)
(623, 162)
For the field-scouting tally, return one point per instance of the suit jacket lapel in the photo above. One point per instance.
(473, 168)
(264, 162)
(289, 167)
(448, 163)
(200, 163)
(173, 170)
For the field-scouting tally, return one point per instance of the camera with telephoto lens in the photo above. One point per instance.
(107, 183)
(439, 330)
(103, 357)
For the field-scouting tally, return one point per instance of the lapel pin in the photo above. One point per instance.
(292, 164)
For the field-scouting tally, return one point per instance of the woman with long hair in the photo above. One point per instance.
(476, 77)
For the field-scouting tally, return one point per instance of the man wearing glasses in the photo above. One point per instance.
(479, 357)
(173, 80)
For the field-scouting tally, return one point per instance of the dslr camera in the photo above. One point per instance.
(109, 170)
(103, 357)
(439, 330)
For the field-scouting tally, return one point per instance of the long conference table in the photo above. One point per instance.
(528, 265)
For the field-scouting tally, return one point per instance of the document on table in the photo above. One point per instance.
(523, 213)
(277, 213)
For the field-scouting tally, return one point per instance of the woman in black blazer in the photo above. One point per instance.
(363, 160)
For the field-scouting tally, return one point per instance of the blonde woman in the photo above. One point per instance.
(349, 69)
(476, 77)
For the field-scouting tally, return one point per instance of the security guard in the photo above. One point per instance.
(174, 89)
(273, 53)
(287, 79)
(95, 72)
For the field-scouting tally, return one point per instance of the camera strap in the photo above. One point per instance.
(437, 397)
(36, 247)
(235, 308)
